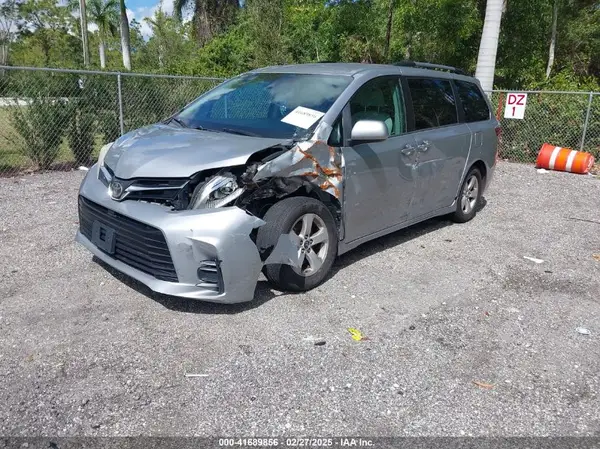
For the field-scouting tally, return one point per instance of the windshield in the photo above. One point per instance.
(276, 105)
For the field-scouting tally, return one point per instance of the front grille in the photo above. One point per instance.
(136, 244)
(154, 190)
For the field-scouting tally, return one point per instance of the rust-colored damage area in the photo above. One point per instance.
(320, 163)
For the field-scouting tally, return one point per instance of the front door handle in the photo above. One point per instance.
(408, 150)
(424, 146)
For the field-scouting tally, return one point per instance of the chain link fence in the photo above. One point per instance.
(564, 119)
(59, 119)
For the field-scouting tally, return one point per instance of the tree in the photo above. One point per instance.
(159, 23)
(578, 54)
(104, 14)
(125, 39)
(84, 32)
(266, 26)
(9, 11)
(79, 8)
(552, 39)
(309, 34)
(388, 31)
(210, 16)
(45, 23)
(488, 48)
(261, 32)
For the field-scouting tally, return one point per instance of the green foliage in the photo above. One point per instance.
(44, 26)
(33, 123)
(551, 118)
(211, 17)
(89, 104)
(578, 49)
(98, 98)
(80, 133)
(567, 80)
(224, 39)
(105, 15)
(226, 55)
(265, 20)
(108, 125)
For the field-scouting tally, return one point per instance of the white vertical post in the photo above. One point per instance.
(587, 120)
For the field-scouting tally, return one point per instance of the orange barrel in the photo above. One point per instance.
(564, 159)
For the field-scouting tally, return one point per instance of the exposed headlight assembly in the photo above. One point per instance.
(217, 191)
(103, 175)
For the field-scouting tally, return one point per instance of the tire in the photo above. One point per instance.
(469, 198)
(290, 215)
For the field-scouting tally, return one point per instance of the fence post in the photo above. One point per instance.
(121, 124)
(587, 120)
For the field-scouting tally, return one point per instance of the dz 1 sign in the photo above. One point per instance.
(515, 106)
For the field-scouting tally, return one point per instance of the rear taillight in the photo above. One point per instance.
(498, 130)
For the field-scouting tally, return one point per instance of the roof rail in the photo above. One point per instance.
(428, 65)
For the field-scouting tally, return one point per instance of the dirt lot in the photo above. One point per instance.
(443, 306)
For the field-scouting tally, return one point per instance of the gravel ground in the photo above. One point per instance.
(443, 306)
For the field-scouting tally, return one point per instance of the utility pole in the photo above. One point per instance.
(84, 33)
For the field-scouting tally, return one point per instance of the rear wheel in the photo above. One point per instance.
(469, 198)
(314, 232)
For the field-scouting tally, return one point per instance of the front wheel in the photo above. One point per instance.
(314, 231)
(469, 198)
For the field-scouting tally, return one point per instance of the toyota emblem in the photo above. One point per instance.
(116, 189)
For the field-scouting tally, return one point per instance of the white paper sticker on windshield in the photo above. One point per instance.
(302, 117)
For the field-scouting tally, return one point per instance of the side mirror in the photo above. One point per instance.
(369, 131)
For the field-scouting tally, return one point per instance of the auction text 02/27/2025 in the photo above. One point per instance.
(295, 442)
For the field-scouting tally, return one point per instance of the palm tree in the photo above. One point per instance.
(9, 13)
(552, 39)
(488, 48)
(103, 13)
(210, 16)
(79, 7)
(125, 41)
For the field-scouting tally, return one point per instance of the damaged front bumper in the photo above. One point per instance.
(212, 252)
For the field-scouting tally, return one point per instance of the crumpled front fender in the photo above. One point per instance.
(194, 237)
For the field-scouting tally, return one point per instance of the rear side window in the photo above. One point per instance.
(474, 104)
(433, 102)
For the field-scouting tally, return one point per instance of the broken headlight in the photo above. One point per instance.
(217, 191)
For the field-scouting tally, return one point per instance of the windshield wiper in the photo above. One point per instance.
(179, 122)
(240, 132)
(202, 128)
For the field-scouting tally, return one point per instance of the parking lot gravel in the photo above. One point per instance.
(465, 335)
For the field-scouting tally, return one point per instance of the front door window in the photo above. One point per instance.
(380, 99)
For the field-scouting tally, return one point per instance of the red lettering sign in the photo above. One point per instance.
(517, 99)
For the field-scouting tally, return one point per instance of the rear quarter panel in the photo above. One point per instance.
(484, 145)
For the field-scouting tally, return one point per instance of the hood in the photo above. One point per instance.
(163, 151)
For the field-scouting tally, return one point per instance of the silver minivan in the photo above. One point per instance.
(284, 168)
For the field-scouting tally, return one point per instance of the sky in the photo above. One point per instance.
(139, 9)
